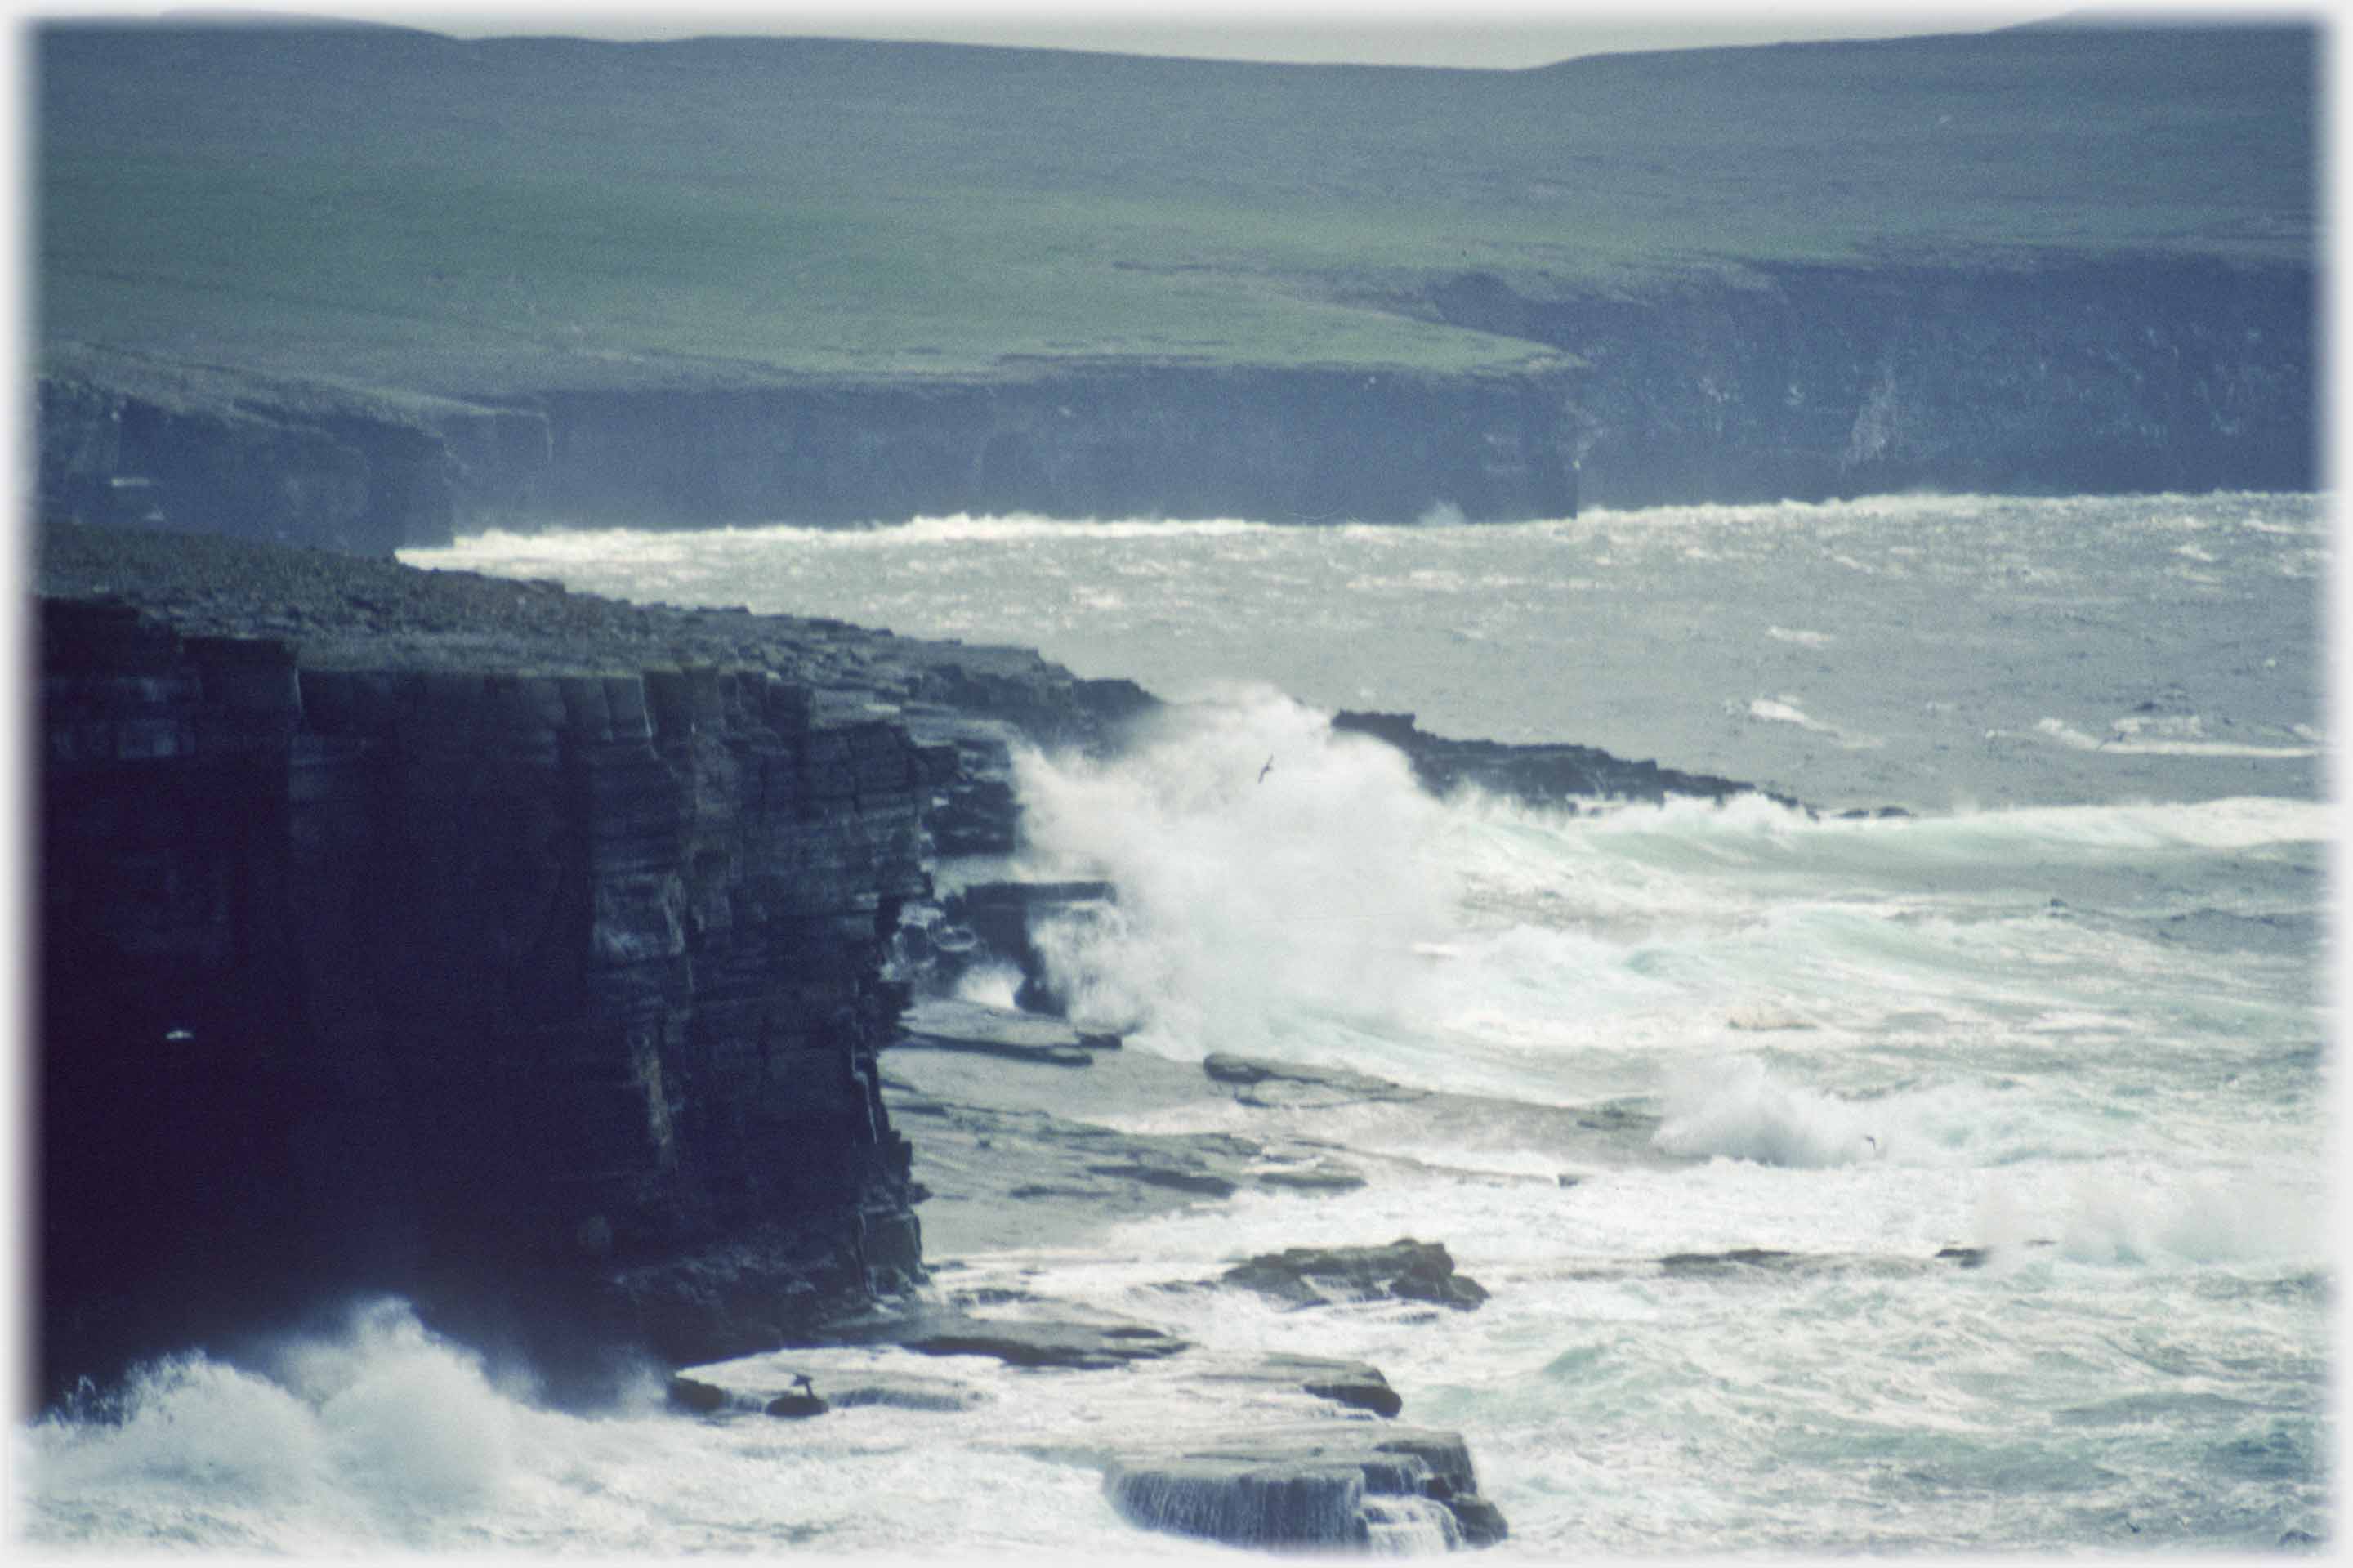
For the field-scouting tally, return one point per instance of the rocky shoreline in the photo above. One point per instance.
(575, 968)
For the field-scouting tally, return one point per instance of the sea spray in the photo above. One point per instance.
(377, 1432)
(1266, 866)
(1738, 1110)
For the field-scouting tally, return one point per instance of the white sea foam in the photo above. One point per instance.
(1265, 865)
(2125, 739)
(2143, 1212)
(378, 1434)
(991, 984)
(1738, 1110)
(1784, 710)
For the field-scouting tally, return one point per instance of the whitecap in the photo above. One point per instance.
(1784, 710)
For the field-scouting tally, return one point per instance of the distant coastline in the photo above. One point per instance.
(367, 288)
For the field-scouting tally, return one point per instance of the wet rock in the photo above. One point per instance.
(1480, 1520)
(977, 1029)
(1545, 774)
(777, 1384)
(1735, 1257)
(1272, 1084)
(1166, 1172)
(1357, 1384)
(1329, 1484)
(1324, 1176)
(694, 1394)
(1405, 1269)
(1091, 1341)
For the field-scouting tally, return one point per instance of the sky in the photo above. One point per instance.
(1383, 32)
(1479, 33)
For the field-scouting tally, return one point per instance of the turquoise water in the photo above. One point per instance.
(2070, 1016)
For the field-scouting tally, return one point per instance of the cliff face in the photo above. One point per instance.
(1143, 440)
(1150, 441)
(551, 1001)
(1805, 382)
(1787, 383)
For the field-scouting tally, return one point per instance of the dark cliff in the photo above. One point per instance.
(550, 998)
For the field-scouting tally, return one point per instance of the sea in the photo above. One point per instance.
(1970, 1183)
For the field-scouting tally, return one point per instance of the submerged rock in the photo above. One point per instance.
(1322, 1176)
(1405, 1269)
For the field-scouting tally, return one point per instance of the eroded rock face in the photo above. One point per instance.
(551, 1001)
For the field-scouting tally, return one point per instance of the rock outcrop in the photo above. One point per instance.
(1545, 774)
(549, 998)
(1328, 1484)
(1403, 1270)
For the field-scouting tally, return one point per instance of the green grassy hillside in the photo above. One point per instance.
(402, 210)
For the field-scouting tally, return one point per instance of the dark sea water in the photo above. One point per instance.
(2070, 1015)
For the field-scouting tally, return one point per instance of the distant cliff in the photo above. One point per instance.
(2063, 377)
(1787, 383)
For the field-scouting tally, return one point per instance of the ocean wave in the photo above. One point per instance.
(380, 1433)
(2135, 737)
(1738, 1110)
(1265, 865)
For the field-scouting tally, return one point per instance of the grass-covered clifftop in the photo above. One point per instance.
(395, 210)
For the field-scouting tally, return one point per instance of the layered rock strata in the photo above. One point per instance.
(549, 998)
